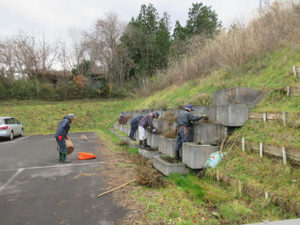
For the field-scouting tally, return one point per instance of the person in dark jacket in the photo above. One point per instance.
(146, 121)
(184, 121)
(121, 118)
(62, 134)
(134, 126)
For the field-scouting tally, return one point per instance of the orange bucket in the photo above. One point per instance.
(85, 155)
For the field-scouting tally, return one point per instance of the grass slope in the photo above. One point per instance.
(187, 200)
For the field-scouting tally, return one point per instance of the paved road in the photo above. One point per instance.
(36, 189)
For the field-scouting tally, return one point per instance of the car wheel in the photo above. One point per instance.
(11, 137)
(22, 132)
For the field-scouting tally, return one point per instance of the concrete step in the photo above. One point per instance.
(148, 153)
(167, 146)
(161, 124)
(195, 156)
(167, 168)
(208, 134)
(153, 140)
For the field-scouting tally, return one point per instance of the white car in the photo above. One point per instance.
(10, 128)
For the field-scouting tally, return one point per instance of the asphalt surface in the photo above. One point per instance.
(36, 189)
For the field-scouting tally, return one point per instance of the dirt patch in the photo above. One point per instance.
(171, 160)
(117, 175)
(146, 175)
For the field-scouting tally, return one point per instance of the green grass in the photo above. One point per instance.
(272, 71)
(271, 133)
(187, 199)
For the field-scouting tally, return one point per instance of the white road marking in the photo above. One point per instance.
(10, 179)
(16, 140)
(54, 166)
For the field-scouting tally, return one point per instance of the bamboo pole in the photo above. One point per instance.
(123, 185)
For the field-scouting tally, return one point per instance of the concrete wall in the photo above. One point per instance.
(210, 111)
(195, 156)
(167, 146)
(238, 95)
(168, 168)
(232, 115)
(208, 134)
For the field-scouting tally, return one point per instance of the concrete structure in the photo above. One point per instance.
(210, 111)
(195, 156)
(167, 146)
(154, 141)
(232, 115)
(238, 95)
(208, 134)
(148, 154)
(281, 222)
(167, 168)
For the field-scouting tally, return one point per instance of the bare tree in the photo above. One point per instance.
(102, 45)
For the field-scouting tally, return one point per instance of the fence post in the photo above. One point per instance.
(288, 91)
(261, 149)
(243, 144)
(265, 117)
(295, 71)
(284, 155)
(284, 118)
(266, 195)
(240, 188)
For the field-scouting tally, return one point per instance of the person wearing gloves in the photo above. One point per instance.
(134, 126)
(61, 134)
(184, 121)
(145, 122)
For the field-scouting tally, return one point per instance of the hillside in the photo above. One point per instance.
(267, 173)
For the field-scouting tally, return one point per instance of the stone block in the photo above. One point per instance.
(232, 115)
(148, 154)
(167, 146)
(208, 133)
(238, 95)
(155, 141)
(115, 126)
(195, 156)
(210, 111)
(167, 168)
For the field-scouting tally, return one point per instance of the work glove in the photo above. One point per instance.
(60, 138)
(153, 131)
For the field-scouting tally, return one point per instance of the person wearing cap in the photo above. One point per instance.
(134, 126)
(184, 121)
(146, 121)
(61, 134)
(121, 118)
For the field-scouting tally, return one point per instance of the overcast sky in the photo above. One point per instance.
(56, 17)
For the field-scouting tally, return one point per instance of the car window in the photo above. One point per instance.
(7, 121)
(13, 121)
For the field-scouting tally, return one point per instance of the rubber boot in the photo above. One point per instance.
(146, 145)
(177, 157)
(64, 158)
(141, 144)
(60, 157)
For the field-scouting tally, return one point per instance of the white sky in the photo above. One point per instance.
(56, 17)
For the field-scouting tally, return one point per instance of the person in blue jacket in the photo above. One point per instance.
(184, 121)
(134, 126)
(62, 134)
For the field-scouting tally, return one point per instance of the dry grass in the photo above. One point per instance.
(275, 27)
